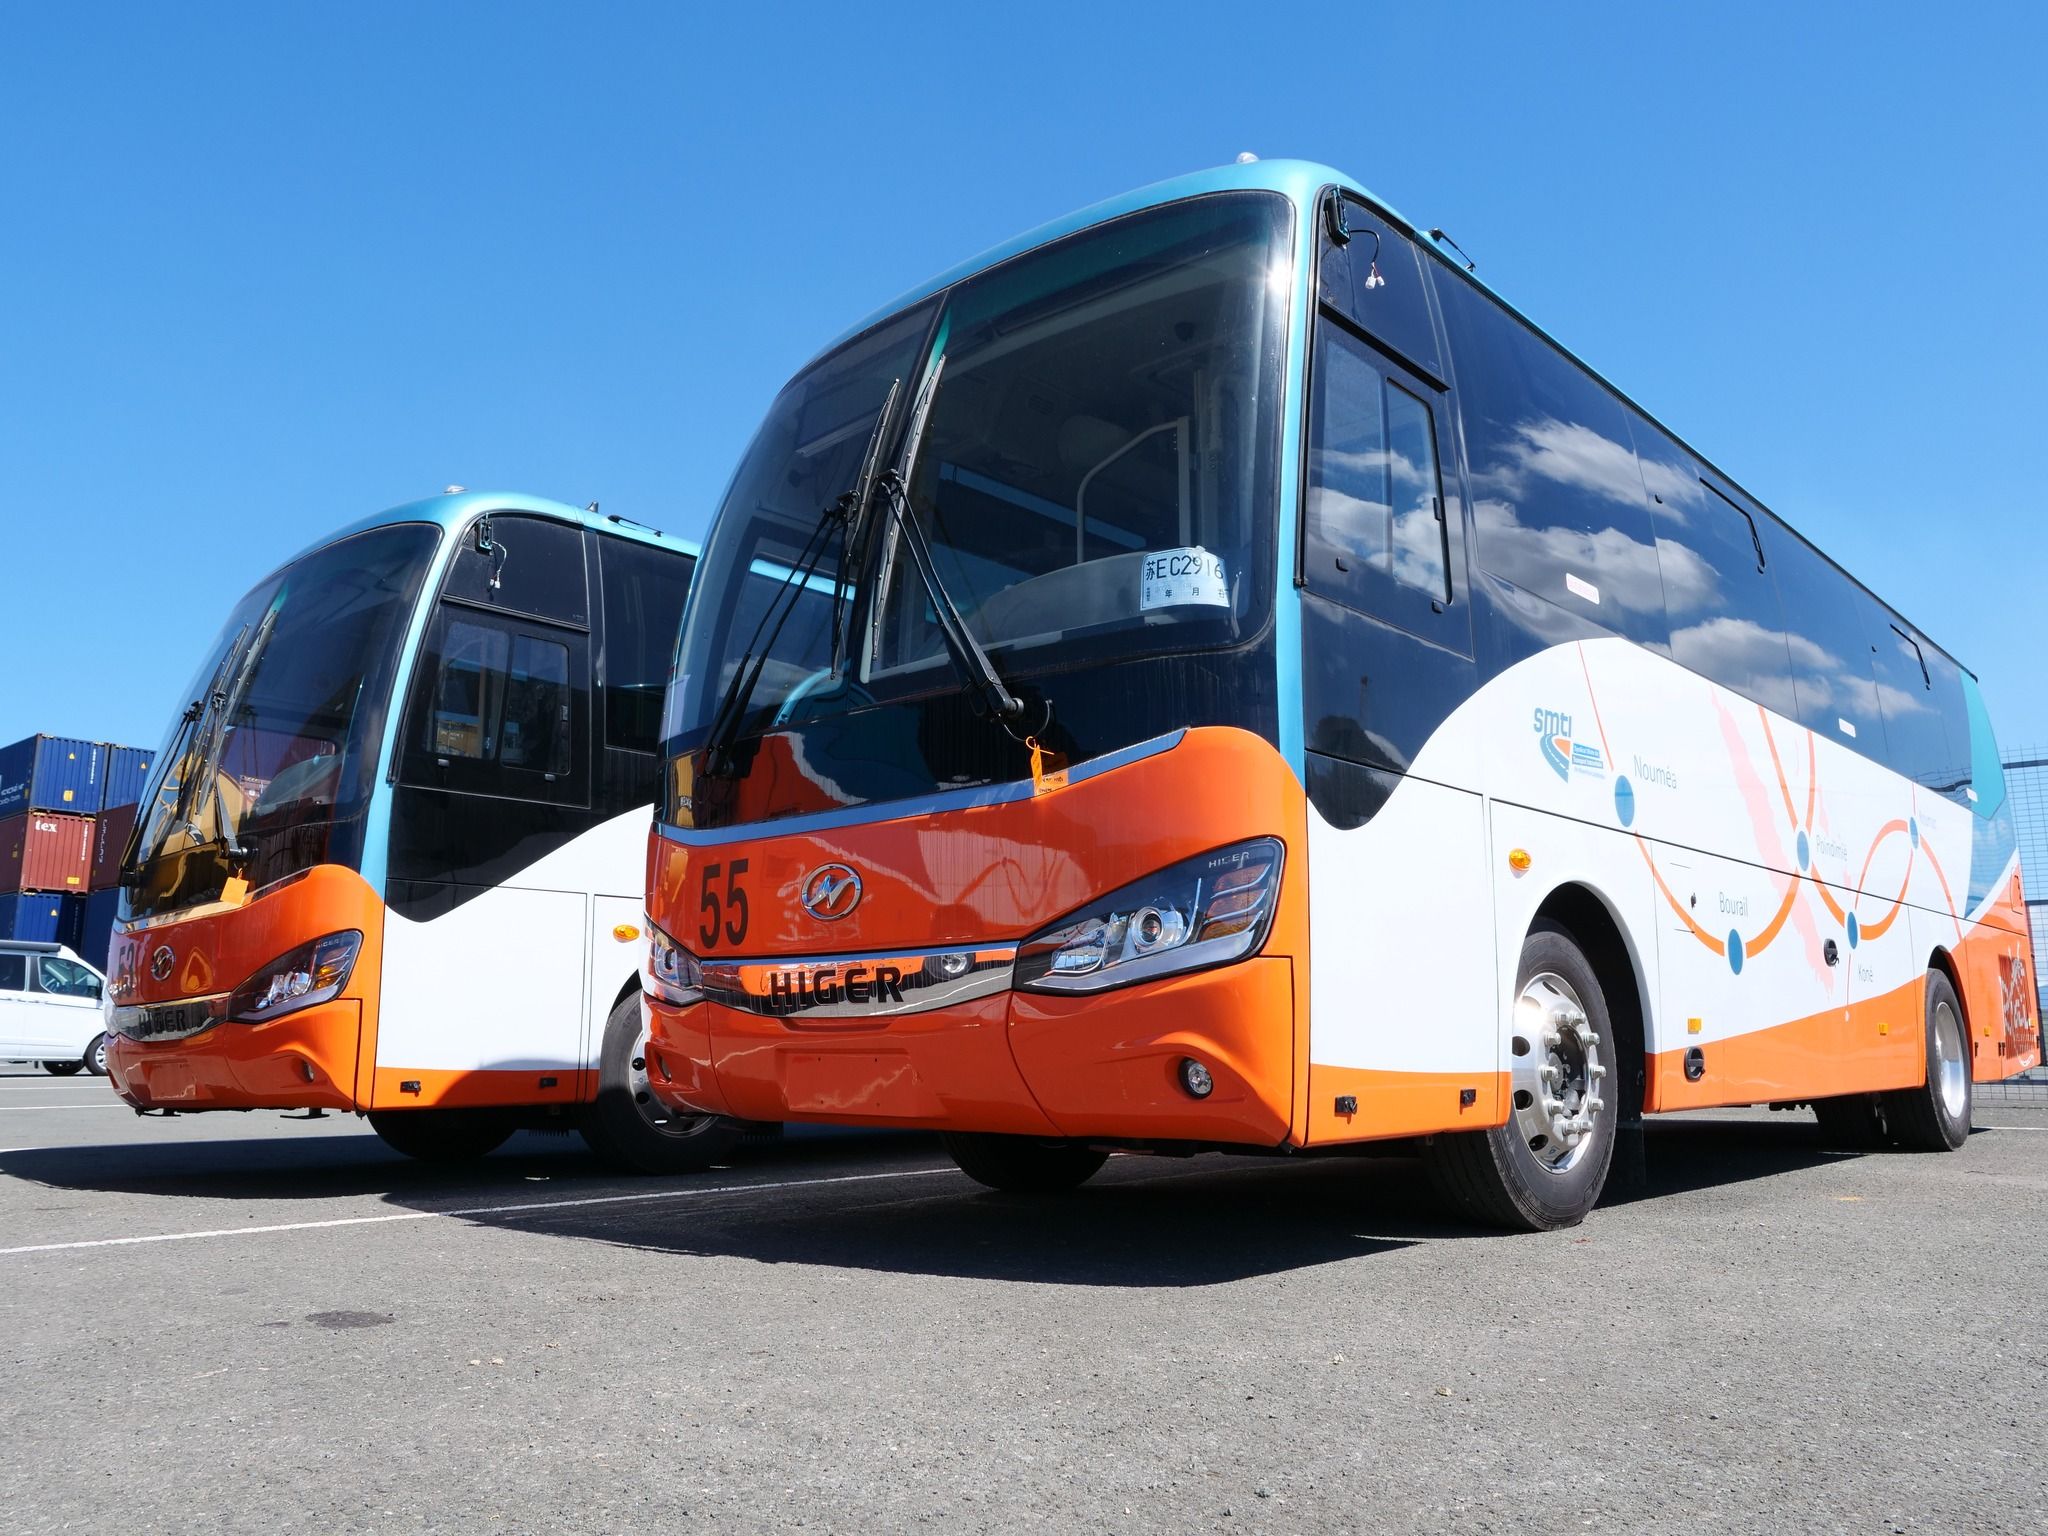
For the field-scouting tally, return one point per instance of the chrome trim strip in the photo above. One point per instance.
(884, 985)
(923, 805)
(180, 1019)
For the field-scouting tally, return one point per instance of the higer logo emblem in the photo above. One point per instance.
(161, 962)
(830, 892)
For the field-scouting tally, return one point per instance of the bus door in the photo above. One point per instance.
(486, 959)
(1386, 655)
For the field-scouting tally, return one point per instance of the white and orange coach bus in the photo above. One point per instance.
(1212, 674)
(421, 751)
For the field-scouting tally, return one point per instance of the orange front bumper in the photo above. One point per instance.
(305, 1060)
(1105, 1067)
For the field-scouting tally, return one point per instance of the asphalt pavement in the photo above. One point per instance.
(243, 1323)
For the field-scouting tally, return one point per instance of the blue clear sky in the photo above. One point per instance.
(268, 269)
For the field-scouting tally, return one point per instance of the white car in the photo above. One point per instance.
(51, 1008)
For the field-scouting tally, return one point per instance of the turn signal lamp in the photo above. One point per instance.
(313, 973)
(1208, 910)
(1519, 860)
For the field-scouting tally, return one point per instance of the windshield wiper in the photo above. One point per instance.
(842, 512)
(200, 717)
(971, 660)
(225, 702)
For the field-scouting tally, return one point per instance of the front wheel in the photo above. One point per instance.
(96, 1056)
(442, 1135)
(629, 1127)
(63, 1068)
(1546, 1167)
(1935, 1117)
(1023, 1165)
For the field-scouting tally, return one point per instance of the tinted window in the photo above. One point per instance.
(1557, 498)
(643, 607)
(1916, 727)
(533, 566)
(13, 972)
(65, 978)
(502, 708)
(1833, 625)
(1375, 279)
(1376, 532)
(1722, 605)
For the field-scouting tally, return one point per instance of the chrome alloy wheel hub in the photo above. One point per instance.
(1555, 1073)
(1952, 1061)
(658, 1115)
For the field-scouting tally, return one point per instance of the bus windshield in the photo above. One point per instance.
(1087, 438)
(268, 769)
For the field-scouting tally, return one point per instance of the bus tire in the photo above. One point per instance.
(63, 1068)
(442, 1135)
(1935, 1117)
(1024, 1165)
(1546, 1166)
(631, 1129)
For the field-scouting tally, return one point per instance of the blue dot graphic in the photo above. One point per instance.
(1853, 931)
(1735, 951)
(1913, 830)
(1624, 799)
(1804, 851)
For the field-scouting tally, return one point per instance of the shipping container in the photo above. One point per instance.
(109, 842)
(46, 852)
(96, 926)
(36, 918)
(127, 775)
(52, 773)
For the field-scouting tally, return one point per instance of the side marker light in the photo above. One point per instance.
(1519, 860)
(625, 933)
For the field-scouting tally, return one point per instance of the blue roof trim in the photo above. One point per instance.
(1300, 180)
(457, 508)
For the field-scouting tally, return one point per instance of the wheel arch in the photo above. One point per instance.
(631, 986)
(1943, 961)
(1589, 918)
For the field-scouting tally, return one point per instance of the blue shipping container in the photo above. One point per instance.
(96, 927)
(38, 919)
(127, 777)
(52, 773)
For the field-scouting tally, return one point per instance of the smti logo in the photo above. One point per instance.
(1554, 735)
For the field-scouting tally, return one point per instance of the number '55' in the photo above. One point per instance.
(727, 909)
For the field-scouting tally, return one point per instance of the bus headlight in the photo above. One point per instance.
(1208, 910)
(671, 970)
(312, 973)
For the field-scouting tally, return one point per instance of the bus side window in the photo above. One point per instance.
(1713, 554)
(643, 589)
(501, 708)
(1557, 498)
(1371, 274)
(1915, 731)
(1376, 535)
(1834, 626)
(532, 566)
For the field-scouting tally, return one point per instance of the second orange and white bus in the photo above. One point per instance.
(1211, 673)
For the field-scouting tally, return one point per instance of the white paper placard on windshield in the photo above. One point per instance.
(1173, 577)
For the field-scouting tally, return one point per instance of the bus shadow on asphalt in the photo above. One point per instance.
(1144, 1222)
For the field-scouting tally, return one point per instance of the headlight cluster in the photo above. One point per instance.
(1205, 911)
(672, 974)
(312, 973)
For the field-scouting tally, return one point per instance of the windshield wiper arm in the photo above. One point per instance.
(967, 653)
(851, 505)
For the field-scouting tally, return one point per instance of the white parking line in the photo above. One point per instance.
(474, 1210)
(22, 1109)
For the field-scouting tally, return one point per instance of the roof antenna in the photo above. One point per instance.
(1443, 239)
(591, 509)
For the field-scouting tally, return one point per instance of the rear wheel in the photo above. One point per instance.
(1935, 1117)
(1023, 1164)
(629, 1127)
(63, 1068)
(1546, 1167)
(442, 1135)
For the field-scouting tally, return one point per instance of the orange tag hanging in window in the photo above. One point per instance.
(1048, 769)
(235, 892)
